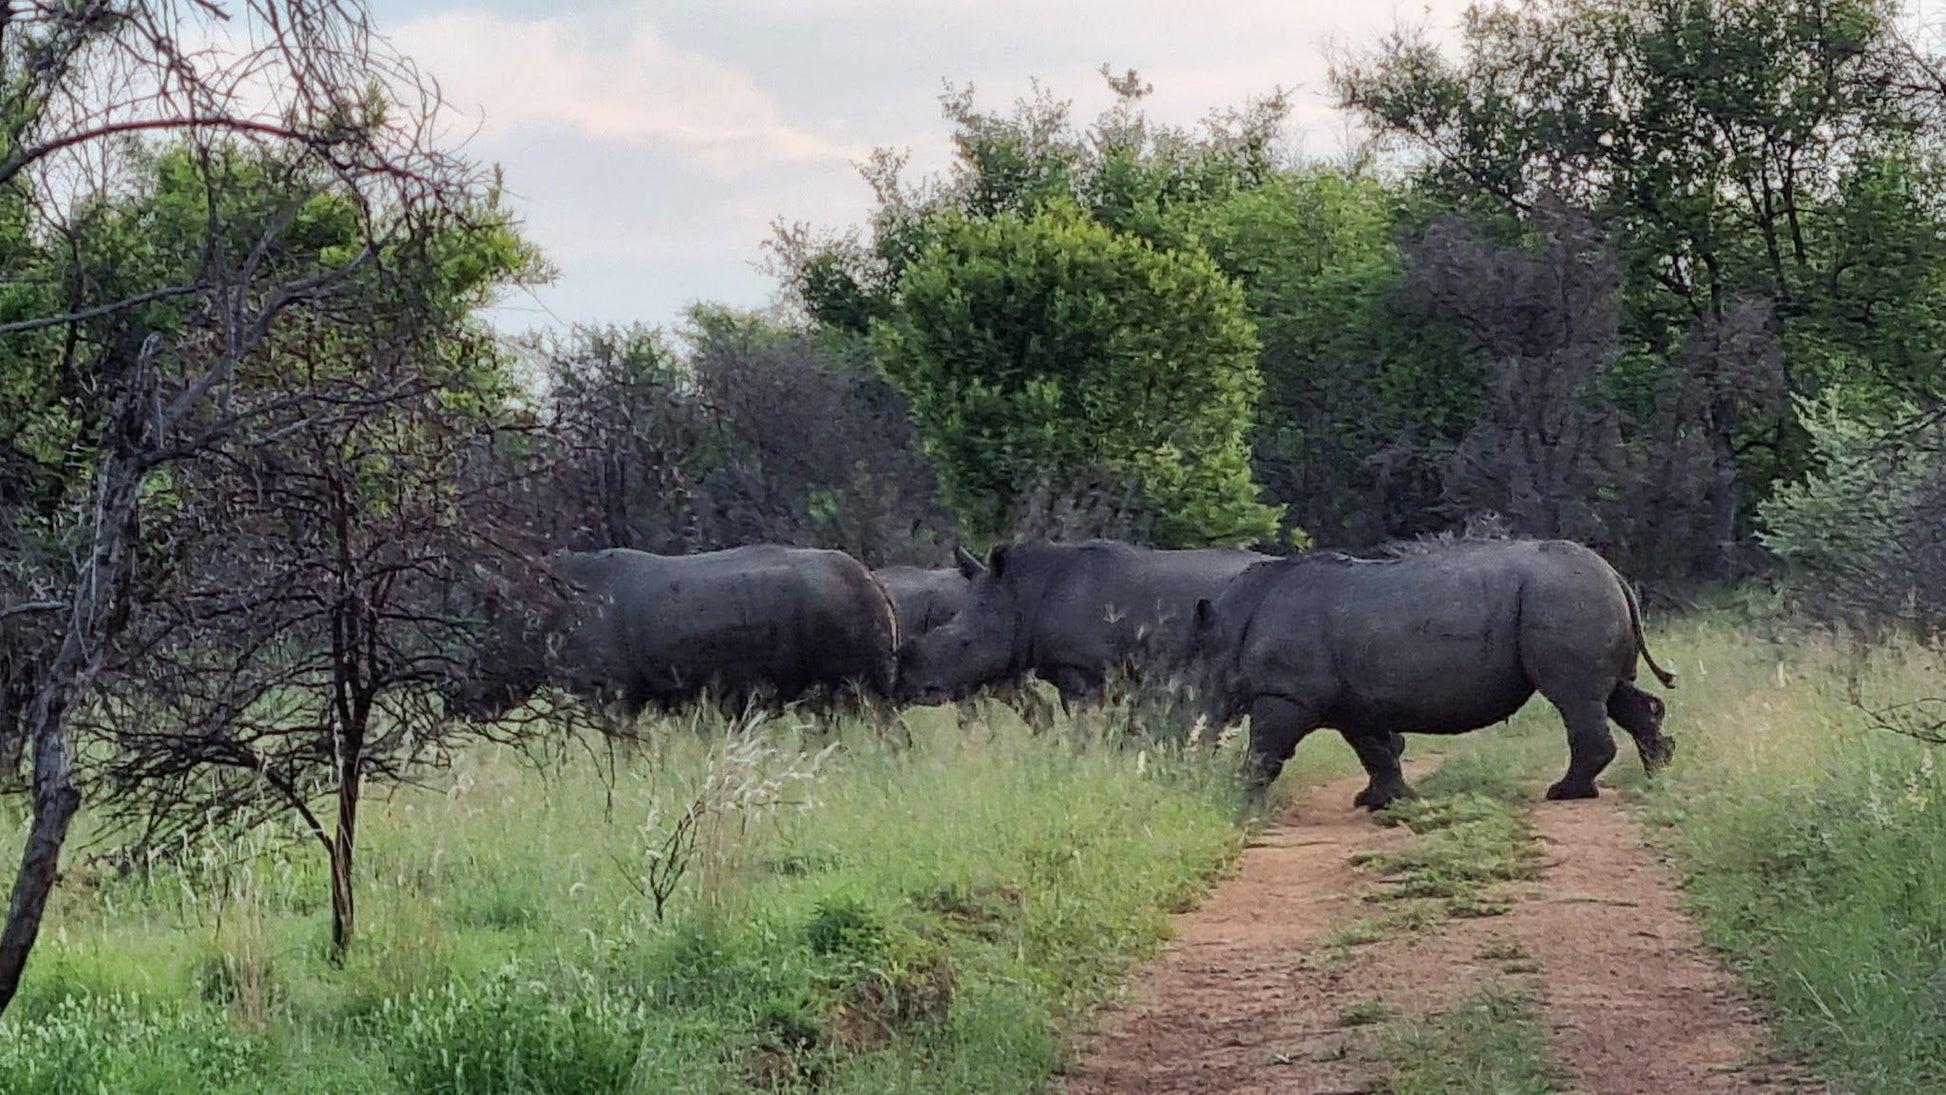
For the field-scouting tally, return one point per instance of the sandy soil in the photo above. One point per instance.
(1251, 998)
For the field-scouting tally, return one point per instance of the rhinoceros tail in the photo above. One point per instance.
(1667, 678)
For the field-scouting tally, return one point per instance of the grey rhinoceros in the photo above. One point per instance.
(1068, 613)
(929, 597)
(1436, 638)
(760, 623)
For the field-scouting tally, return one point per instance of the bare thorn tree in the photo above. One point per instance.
(167, 364)
(303, 655)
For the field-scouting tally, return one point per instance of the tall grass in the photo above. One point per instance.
(1813, 844)
(857, 916)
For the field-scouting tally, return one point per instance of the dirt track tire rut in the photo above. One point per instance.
(1250, 998)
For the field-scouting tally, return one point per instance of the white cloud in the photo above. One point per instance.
(568, 74)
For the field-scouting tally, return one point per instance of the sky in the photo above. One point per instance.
(650, 146)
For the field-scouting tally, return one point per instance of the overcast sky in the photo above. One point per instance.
(649, 145)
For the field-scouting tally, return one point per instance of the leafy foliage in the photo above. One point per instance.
(1359, 409)
(1025, 186)
(1863, 530)
(1050, 351)
(1775, 153)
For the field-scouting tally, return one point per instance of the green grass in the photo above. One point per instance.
(938, 918)
(1490, 1044)
(1814, 846)
(1470, 825)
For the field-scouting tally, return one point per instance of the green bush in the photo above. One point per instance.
(508, 1035)
(87, 1045)
(1046, 352)
(1866, 472)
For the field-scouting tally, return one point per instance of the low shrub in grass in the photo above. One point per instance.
(1467, 842)
(510, 1035)
(83, 1045)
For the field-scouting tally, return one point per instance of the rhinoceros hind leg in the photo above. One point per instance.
(1590, 747)
(1640, 713)
(1380, 754)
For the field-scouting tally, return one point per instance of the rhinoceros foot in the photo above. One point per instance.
(1655, 756)
(1566, 790)
(1377, 796)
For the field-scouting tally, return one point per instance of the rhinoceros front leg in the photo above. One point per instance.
(1276, 726)
(1380, 754)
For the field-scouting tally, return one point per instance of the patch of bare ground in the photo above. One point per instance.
(1258, 995)
(1633, 1003)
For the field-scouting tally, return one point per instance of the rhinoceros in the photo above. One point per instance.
(1068, 613)
(1433, 638)
(759, 623)
(927, 597)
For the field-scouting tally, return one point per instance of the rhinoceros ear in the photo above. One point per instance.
(1205, 614)
(970, 567)
(997, 559)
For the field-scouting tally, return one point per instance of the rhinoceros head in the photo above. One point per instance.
(972, 650)
(1211, 669)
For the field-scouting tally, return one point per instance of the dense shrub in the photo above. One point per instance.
(84, 1045)
(1865, 530)
(1049, 351)
(512, 1035)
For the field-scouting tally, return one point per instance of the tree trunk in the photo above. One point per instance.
(93, 620)
(1725, 505)
(343, 907)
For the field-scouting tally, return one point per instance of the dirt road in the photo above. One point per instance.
(1257, 994)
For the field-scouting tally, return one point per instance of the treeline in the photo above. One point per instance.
(1584, 278)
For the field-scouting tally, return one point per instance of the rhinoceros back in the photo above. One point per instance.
(1440, 638)
(764, 620)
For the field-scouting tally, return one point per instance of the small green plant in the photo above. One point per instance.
(845, 926)
(1491, 1043)
(1500, 950)
(1467, 843)
(748, 777)
(1364, 1014)
(1357, 933)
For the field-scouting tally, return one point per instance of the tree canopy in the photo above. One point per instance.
(1048, 352)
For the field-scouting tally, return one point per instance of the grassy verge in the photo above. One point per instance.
(868, 919)
(1490, 1044)
(1470, 822)
(1470, 837)
(1813, 844)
